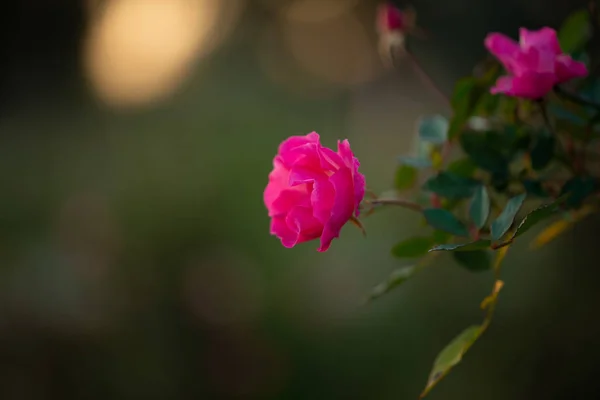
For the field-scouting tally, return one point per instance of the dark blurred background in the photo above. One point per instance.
(135, 259)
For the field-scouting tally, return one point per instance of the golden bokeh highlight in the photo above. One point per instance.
(139, 51)
(316, 48)
(338, 51)
(317, 10)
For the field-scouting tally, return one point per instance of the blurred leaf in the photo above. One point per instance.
(534, 188)
(558, 227)
(416, 162)
(479, 210)
(579, 188)
(396, 278)
(433, 129)
(543, 150)
(492, 298)
(575, 31)
(483, 151)
(451, 355)
(567, 115)
(475, 260)
(502, 224)
(406, 177)
(449, 185)
(477, 245)
(440, 237)
(550, 233)
(538, 215)
(464, 167)
(466, 94)
(413, 247)
(444, 220)
(437, 160)
(500, 180)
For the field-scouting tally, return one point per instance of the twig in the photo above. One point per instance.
(398, 202)
(427, 79)
(548, 124)
(575, 98)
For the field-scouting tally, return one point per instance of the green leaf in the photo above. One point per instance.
(477, 245)
(451, 355)
(543, 151)
(483, 151)
(464, 167)
(417, 162)
(538, 215)
(412, 247)
(475, 260)
(406, 177)
(451, 186)
(502, 224)
(479, 210)
(575, 31)
(396, 278)
(579, 188)
(433, 129)
(444, 221)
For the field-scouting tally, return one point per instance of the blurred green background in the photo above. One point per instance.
(136, 137)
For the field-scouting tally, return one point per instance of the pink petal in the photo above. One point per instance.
(343, 207)
(278, 181)
(359, 179)
(503, 48)
(295, 141)
(390, 18)
(301, 221)
(345, 153)
(289, 198)
(567, 68)
(535, 60)
(543, 39)
(530, 85)
(359, 188)
(322, 200)
(280, 228)
(296, 148)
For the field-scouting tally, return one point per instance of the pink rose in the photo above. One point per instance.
(390, 18)
(312, 191)
(535, 64)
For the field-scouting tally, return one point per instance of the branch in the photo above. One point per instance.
(575, 98)
(397, 202)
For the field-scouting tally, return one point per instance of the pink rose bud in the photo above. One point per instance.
(390, 18)
(312, 191)
(535, 64)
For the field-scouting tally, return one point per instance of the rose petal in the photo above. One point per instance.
(301, 221)
(280, 228)
(530, 85)
(322, 200)
(289, 198)
(503, 47)
(343, 207)
(542, 39)
(533, 60)
(359, 188)
(389, 18)
(567, 69)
